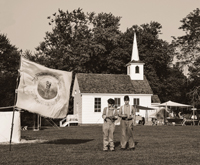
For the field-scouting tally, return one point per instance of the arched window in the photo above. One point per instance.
(137, 69)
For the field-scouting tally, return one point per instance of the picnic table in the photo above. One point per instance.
(190, 122)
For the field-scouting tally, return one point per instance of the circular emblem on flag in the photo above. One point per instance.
(47, 87)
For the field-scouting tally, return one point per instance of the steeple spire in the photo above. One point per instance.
(135, 55)
(135, 68)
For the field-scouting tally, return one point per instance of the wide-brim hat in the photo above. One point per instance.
(111, 101)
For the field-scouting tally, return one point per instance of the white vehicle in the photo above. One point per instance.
(70, 120)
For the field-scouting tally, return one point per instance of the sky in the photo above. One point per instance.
(25, 21)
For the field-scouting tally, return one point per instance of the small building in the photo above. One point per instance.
(91, 91)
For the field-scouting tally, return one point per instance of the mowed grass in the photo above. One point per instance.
(83, 145)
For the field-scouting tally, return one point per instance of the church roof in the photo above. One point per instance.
(112, 83)
(133, 61)
(141, 86)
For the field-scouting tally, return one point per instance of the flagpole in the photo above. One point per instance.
(34, 121)
(14, 105)
(38, 122)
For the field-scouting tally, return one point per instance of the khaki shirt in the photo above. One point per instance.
(126, 109)
(129, 110)
(107, 112)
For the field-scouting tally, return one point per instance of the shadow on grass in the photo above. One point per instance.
(118, 144)
(68, 141)
(28, 138)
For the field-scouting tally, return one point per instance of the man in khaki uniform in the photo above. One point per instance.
(127, 115)
(109, 116)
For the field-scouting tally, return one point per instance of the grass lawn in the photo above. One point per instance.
(83, 145)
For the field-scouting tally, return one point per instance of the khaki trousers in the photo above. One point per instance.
(108, 131)
(127, 133)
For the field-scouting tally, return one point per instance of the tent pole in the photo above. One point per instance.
(34, 122)
(12, 128)
(38, 122)
(193, 116)
(164, 112)
(15, 100)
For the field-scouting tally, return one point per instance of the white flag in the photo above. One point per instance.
(43, 90)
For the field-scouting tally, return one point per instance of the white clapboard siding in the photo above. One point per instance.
(77, 109)
(88, 114)
(145, 100)
(91, 117)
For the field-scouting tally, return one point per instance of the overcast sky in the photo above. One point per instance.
(25, 21)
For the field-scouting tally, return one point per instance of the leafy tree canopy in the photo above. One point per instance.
(9, 65)
(82, 42)
(188, 45)
(188, 51)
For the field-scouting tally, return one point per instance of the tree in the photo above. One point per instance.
(194, 95)
(188, 45)
(82, 42)
(188, 51)
(9, 65)
(193, 83)
(194, 70)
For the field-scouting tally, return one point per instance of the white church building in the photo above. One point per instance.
(91, 91)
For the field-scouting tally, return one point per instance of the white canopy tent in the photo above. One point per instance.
(173, 104)
(153, 115)
(5, 127)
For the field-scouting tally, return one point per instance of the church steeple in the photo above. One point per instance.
(135, 55)
(135, 68)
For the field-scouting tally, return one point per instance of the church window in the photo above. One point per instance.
(137, 69)
(97, 104)
(117, 102)
(136, 101)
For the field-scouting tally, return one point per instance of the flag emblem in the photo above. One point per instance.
(47, 89)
